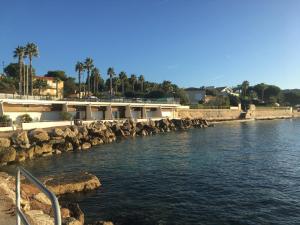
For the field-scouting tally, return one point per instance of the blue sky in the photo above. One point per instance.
(190, 42)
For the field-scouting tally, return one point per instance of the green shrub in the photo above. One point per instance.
(25, 118)
(66, 116)
(5, 121)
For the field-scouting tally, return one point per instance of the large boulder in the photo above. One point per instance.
(38, 135)
(4, 142)
(7, 155)
(20, 139)
(71, 182)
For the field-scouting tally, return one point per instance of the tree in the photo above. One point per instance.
(260, 90)
(79, 67)
(31, 51)
(245, 86)
(111, 74)
(40, 85)
(123, 78)
(8, 85)
(167, 86)
(56, 80)
(117, 83)
(69, 86)
(272, 91)
(19, 53)
(141, 80)
(89, 65)
(96, 79)
(57, 73)
(133, 80)
(12, 71)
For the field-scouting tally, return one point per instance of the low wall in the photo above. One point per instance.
(296, 113)
(210, 114)
(270, 113)
(33, 125)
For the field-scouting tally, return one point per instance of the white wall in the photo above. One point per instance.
(36, 116)
(167, 114)
(33, 125)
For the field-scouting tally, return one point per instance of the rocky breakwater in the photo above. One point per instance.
(23, 145)
(35, 204)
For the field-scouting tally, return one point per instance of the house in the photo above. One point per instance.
(196, 95)
(54, 88)
(225, 91)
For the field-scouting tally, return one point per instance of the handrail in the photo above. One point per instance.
(55, 205)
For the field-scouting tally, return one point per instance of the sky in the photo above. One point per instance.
(193, 43)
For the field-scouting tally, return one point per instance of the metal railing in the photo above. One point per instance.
(55, 205)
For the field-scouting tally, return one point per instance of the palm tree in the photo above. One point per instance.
(111, 74)
(245, 86)
(79, 67)
(31, 51)
(96, 78)
(123, 77)
(19, 53)
(117, 83)
(133, 80)
(141, 80)
(88, 65)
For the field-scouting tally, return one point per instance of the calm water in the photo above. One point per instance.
(238, 173)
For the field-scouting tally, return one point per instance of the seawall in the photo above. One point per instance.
(235, 114)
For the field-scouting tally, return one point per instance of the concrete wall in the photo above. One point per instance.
(36, 116)
(296, 113)
(210, 114)
(29, 126)
(269, 112)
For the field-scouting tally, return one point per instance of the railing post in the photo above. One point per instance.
(18, 202)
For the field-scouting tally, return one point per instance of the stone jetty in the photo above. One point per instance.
(24, 145)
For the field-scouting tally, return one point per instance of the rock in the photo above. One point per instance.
(57, 132)
(85, 146)
(38, 150)
(102, 223)
(71, 182)
(4, 142)
(75, 211)
(66, 147)
(57, 152)
(96, 141)
(46, 154)
(20, 156)
(30, 153)
(7, 155)
(37, 217)
(20, 139)
(71, 221)
(47, 148)
(38, 135)
(41, 197)
(65, 213)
